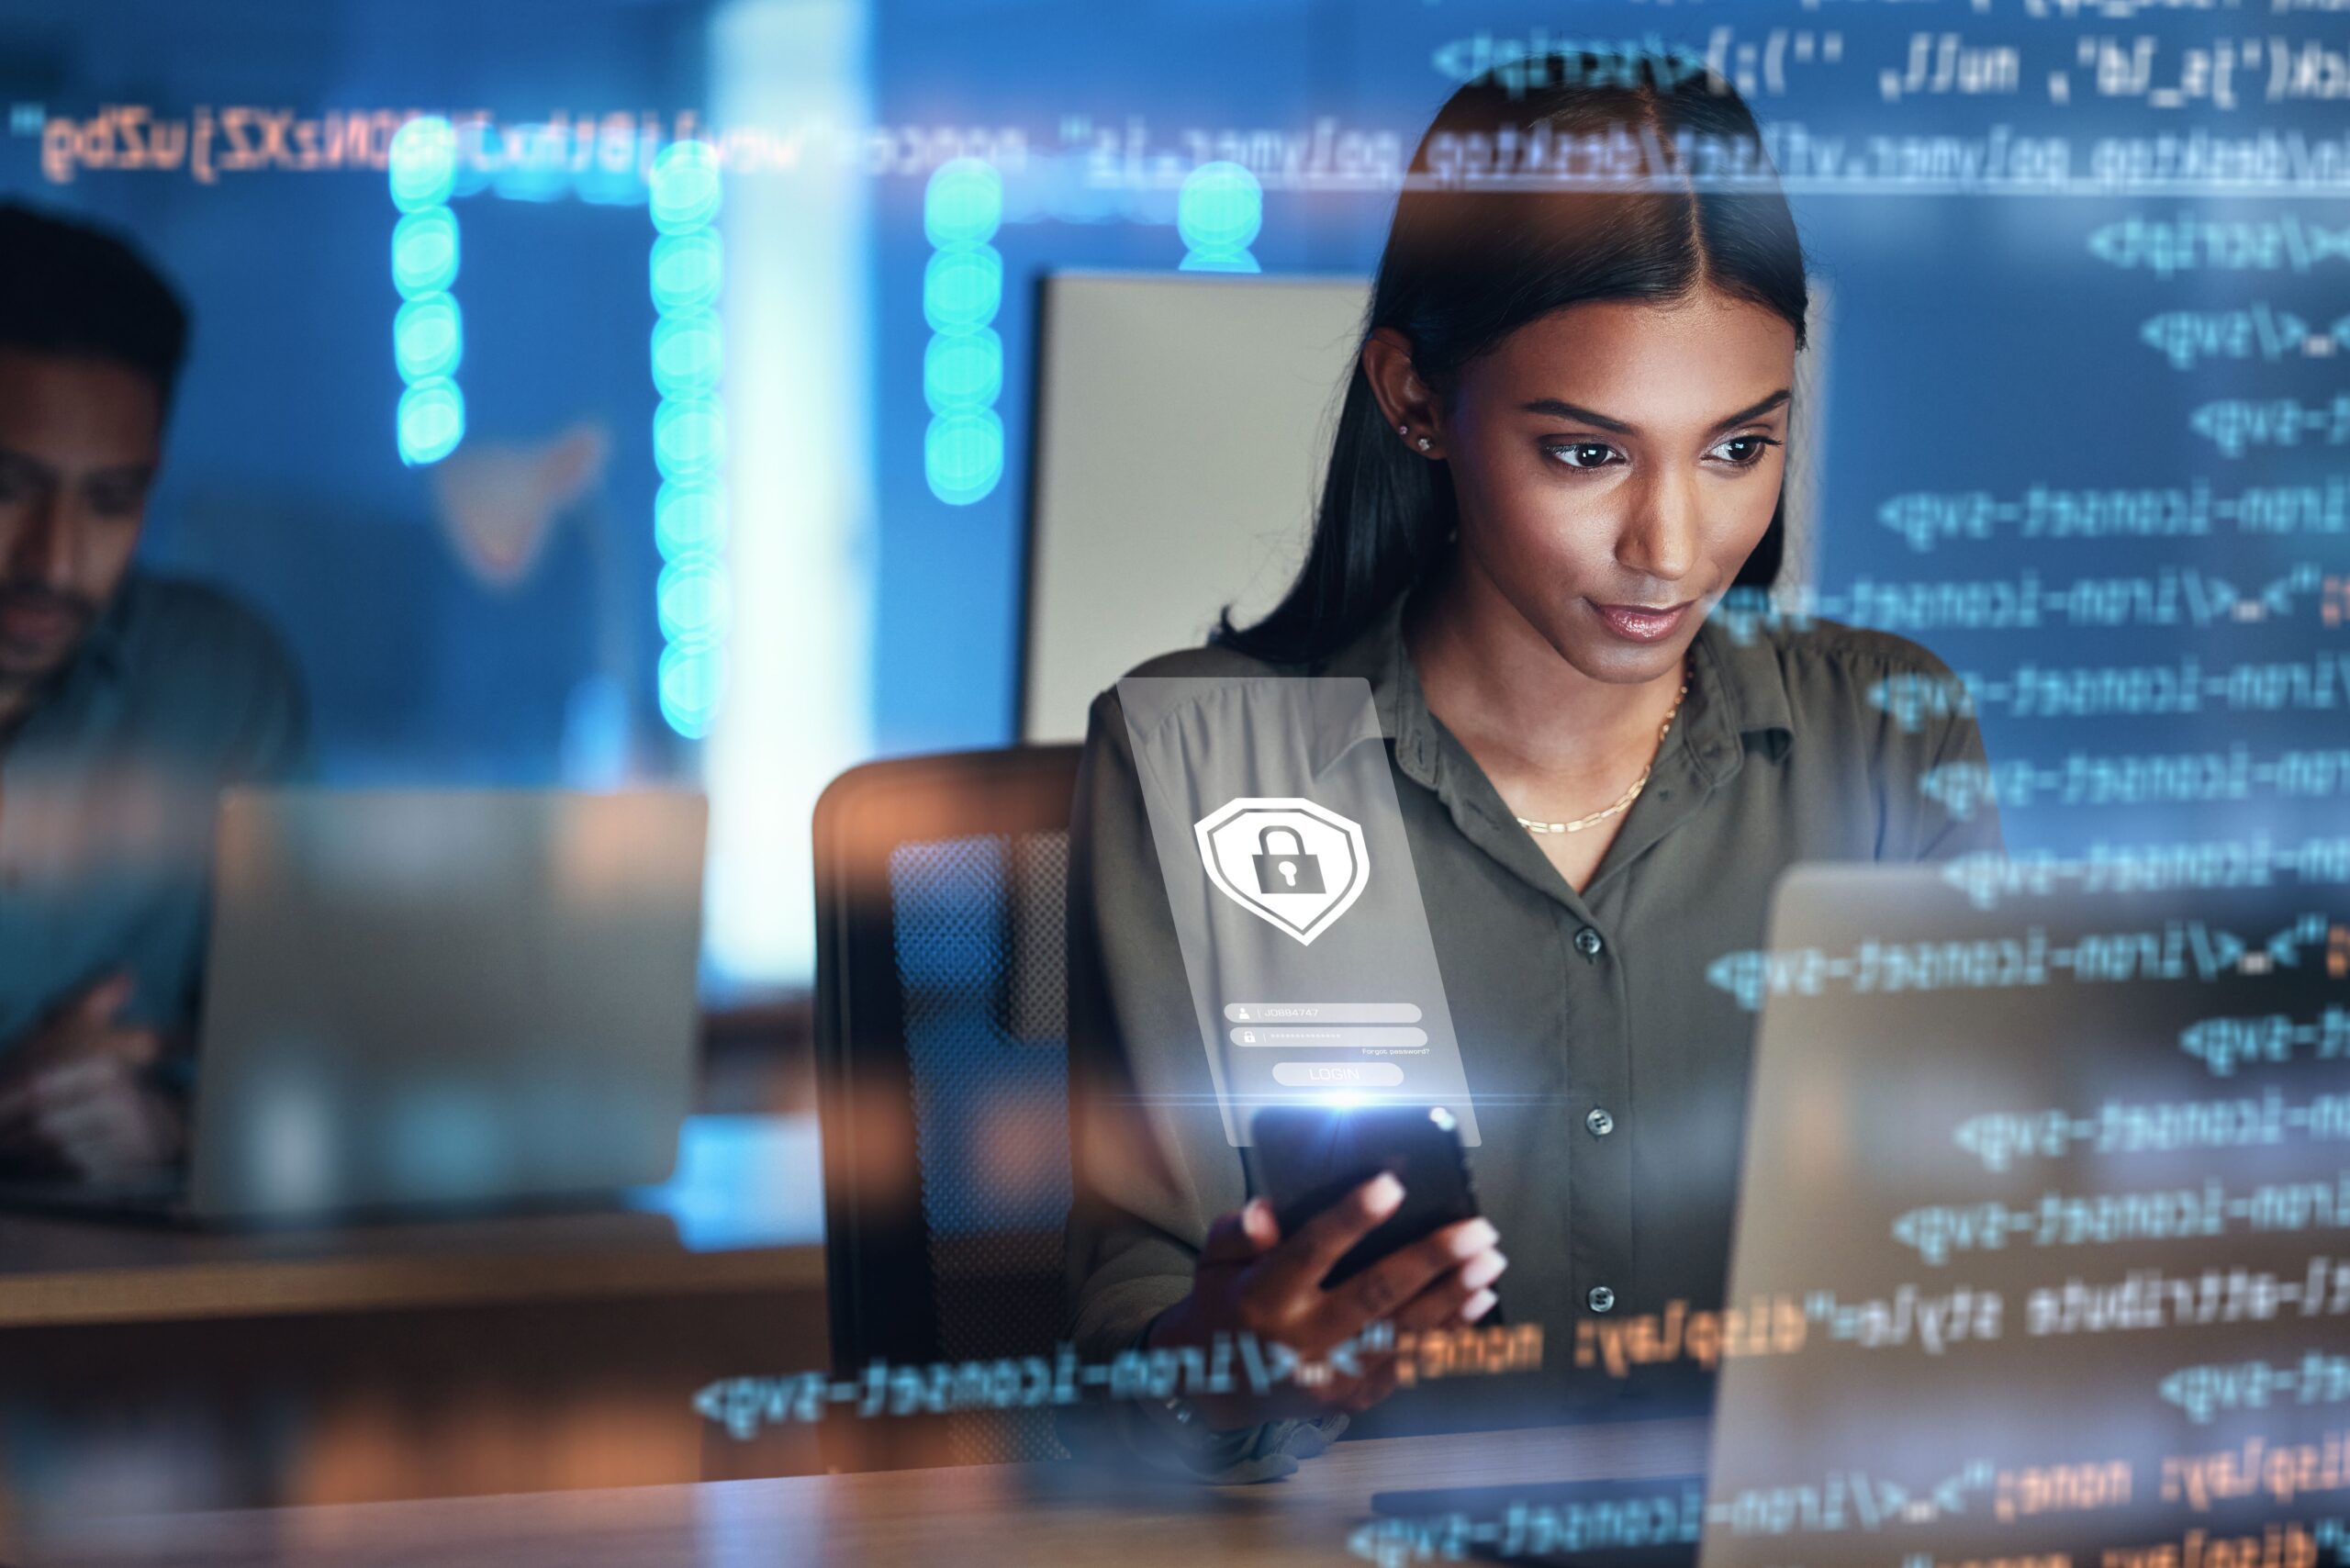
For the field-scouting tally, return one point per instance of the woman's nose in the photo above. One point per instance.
(1659, 535)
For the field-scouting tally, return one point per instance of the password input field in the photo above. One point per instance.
(1357, 1037)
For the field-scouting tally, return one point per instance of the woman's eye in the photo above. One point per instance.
(1753, 448)
(1581, 454)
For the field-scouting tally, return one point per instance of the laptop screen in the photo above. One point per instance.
(2043, 1247)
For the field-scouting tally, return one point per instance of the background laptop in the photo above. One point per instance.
(418, 1000)
(2055, 1180)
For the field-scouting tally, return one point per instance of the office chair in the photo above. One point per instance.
(941, 1072)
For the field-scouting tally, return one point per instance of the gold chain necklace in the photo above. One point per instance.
(1625, 801)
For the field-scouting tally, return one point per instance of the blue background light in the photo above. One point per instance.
(692, 596)
(688, 515)
(424, 252)
(686, 270)
(688, 436)
(964, 371)
(1219, 214)
(693, 593)
(432, 420)
(963, 204)
(692, 681)
(686, 352)
(961, 289)
(428, 336)
(963, 456)
(422, 163)
(685, 190)
(962, 366)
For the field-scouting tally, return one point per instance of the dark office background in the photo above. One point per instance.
(1977, 344)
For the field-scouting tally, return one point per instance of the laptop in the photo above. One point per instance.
(2047, 1171)
(431, 1000)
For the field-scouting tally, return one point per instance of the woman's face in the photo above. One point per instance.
(1616, 463)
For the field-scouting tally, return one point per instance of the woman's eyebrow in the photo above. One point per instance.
(1559, 409)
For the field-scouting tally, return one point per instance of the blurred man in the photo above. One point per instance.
(127, 701)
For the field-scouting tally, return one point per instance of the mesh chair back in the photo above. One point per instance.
(941, 1067)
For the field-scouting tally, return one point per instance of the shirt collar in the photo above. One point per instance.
(1738, 689)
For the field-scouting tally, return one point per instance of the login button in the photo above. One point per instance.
(1338, 1074)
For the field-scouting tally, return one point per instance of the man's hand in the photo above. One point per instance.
(75, 1096)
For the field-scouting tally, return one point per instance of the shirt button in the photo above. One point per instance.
(1602, 1299)
(1600, 1123)
(1588, 942)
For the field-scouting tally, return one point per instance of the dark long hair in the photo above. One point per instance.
(1471, 258)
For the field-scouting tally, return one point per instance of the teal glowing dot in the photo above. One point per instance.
(691, 596)
(1217, 262)
(537, 179)
(428, 336)
(963, 204)
(686, 354)
(1220, 209)
(688, 436)
(688, 515)
(424, 252)
(692, 682)
(421, 163)
(962, 455)
(683, 194)
(600, 185)
(962, 289)
(964, 371)
(431, 422)
(686, 272)
(474, 177)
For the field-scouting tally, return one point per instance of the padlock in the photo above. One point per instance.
(1295, 872)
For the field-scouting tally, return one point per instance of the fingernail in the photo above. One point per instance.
(1479, 1305)
(1484, 1271)
(1385, 1192)
(1478, 1235)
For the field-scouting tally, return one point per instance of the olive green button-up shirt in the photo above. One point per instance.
(1609, 1075)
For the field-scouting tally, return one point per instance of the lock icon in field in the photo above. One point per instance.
(1289, 871)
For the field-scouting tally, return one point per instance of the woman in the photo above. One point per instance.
(1563, 444)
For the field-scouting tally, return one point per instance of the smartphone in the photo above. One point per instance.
(1309, 1157)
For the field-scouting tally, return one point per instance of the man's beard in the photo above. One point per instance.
(22, 663)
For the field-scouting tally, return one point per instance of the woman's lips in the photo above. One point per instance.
(1639, 623)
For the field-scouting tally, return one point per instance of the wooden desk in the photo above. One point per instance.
(145, 1369)
(743, 1213)
(923, 1519)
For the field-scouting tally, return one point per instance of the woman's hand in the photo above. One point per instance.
(1252, 1279)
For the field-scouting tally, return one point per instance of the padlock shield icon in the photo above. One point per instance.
(1290, 862)
(1291, 870)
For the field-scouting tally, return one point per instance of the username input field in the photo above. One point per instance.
(1321, 1013)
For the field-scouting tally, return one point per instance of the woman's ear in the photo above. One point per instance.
(1410, 409)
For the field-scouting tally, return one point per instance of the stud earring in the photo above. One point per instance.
(1425, 443)
(1403, 430)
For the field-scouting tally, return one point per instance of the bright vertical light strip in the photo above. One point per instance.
(428, 335)
(797, 344)
(693, 595)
